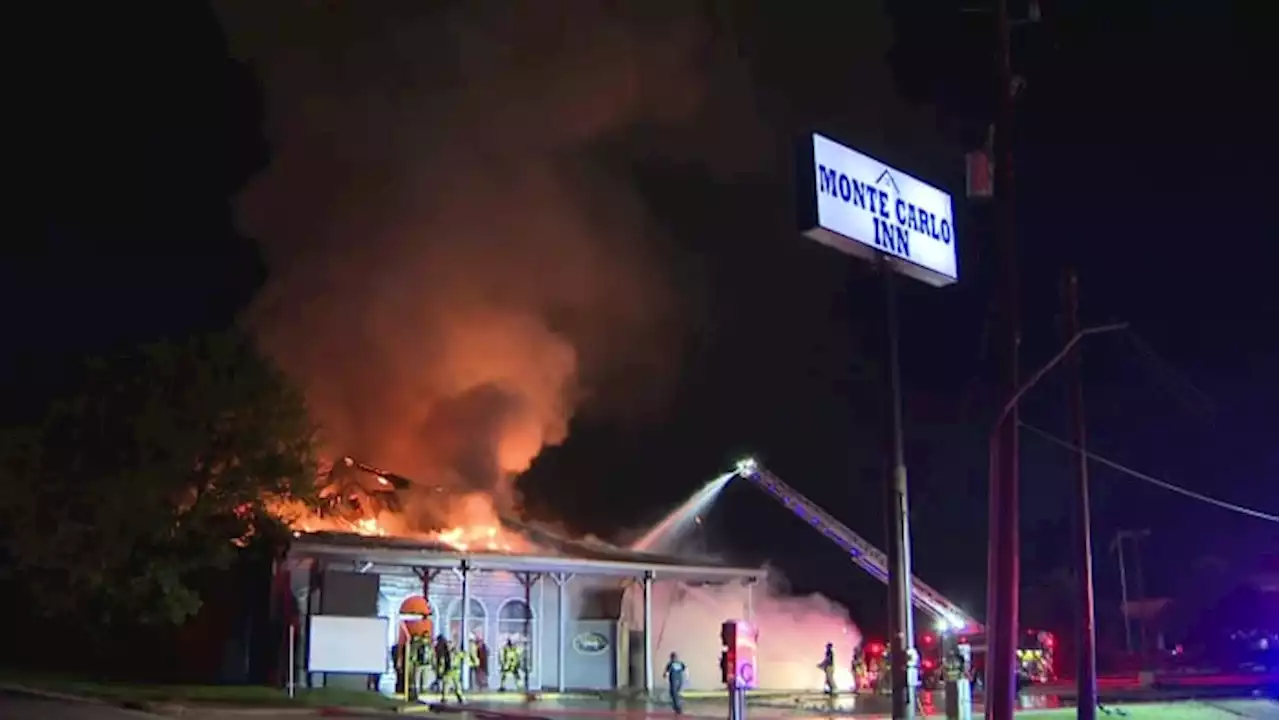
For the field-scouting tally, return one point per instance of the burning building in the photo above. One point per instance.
(581, 611)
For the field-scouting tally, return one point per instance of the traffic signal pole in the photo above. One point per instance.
(1002, 535)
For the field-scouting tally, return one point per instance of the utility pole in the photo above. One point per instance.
(1117, 545)
(1087, 662)
(1002, 535)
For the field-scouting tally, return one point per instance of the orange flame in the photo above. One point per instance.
(478, 530)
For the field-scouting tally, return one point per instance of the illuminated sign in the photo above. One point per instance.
(590, 643)
(862, 207)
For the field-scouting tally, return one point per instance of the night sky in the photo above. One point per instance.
(1144, 161)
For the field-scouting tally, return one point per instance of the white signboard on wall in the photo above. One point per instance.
(342, 644)
(860, 206)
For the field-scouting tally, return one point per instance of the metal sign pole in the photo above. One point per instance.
(901, 634)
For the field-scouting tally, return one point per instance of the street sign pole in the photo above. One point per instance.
(862, 207)
(901, 633)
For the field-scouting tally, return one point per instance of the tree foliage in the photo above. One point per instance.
(159, 467)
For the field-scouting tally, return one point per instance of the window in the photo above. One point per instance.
(515, 621)
(476, 620)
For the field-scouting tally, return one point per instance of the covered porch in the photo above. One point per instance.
(535, 587)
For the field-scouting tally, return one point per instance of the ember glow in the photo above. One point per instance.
(478, 527)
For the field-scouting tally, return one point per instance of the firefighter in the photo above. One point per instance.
(420, 656)
(828, 668)
(953, 667)
(397, 663)
(451, 677)
(479, 664)
(859, 669)
(440, 663)
(509, 660)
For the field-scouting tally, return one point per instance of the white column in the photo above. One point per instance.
(463, 571)
(647, 588)
(562, 611)
(539, 619)
(751, 609)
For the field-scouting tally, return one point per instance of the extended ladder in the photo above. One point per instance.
(949, 616)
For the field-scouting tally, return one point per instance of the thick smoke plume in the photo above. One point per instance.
(793, 632)
(458, 259)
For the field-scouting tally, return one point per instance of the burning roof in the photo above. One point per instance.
(552, 553)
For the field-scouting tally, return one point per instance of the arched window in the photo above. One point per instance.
(515, 621)
(477, 618)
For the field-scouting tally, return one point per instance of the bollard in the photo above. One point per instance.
(958, 699)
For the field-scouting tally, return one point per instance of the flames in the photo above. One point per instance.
(387, 509)
(477, 528)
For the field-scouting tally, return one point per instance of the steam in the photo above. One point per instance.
(794, 632)
(458, 260)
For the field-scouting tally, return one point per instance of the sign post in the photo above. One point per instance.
(862, 207)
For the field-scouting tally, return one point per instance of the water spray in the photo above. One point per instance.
(684, 518)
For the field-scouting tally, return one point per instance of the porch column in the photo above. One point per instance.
(562, 622)
(463, 571)
(527, 581)
(647, 591)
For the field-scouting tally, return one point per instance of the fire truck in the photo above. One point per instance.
(952, 623)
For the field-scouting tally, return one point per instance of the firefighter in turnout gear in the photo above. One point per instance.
(479, 664)
(859, 669)
(509, 660)
(952, 667)
(828, 668)
(451, 677)
(439, 663)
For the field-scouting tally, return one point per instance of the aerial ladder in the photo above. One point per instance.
(949, 617)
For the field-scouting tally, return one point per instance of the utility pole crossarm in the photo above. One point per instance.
(1053, 362)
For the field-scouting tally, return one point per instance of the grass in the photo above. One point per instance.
(225, 695)
(1188, 710)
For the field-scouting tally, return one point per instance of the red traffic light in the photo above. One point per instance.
(875, 648)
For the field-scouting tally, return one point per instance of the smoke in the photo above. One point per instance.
(794, 632)
(459, 262)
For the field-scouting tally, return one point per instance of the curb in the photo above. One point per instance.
(24, 691)
(480, 711)
(179, 710)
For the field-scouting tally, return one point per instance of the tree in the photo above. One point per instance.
(159, 467)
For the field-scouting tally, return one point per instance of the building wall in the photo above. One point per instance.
(686, 620)
(497, 599)
(598, 611)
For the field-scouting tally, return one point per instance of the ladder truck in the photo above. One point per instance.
(948, 616)
(952, 622)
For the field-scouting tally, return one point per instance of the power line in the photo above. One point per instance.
(1173, 382)
(1154, 481)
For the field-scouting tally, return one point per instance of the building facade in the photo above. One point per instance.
(579, 615)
